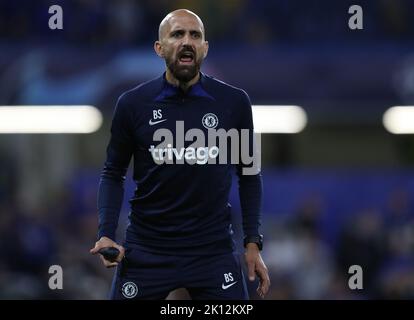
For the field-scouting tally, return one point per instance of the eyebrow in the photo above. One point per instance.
(182, 31)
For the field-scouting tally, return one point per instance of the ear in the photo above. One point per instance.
(205, 49)
(158, 49)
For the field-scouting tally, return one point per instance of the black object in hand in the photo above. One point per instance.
(109, 253)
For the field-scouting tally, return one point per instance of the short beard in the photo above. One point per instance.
(183, 74)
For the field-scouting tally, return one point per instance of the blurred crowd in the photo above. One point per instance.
(60, 231)
(89, 22)
(305, 265)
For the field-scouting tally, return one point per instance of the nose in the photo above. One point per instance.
(186, 40)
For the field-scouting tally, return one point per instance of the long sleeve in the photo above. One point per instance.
(249, 176)
(111, 185)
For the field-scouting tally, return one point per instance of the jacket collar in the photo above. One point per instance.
(196, 90)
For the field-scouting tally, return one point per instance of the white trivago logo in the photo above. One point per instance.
(199, 155)
(219, 143)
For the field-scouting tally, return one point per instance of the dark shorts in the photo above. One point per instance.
(144, 275)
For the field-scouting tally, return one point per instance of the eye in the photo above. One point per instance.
(196, 35)
(176, 34)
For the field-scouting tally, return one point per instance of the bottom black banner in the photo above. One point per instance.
(254, 309)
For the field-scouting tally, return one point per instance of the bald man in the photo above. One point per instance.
(180, 231)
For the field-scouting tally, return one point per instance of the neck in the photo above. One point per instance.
(183, 85)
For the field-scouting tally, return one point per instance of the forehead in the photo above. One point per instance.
(186, 22)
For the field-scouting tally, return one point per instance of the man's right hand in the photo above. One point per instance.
(105, 242)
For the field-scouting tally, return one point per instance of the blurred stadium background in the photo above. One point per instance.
(337, 194)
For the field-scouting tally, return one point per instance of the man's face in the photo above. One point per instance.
(183, 47)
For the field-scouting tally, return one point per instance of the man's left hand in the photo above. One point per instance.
(255, 265)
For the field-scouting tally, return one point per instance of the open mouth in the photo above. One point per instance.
(186, 57)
